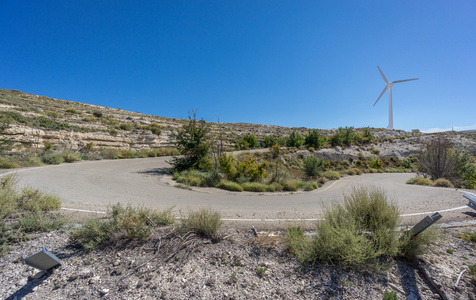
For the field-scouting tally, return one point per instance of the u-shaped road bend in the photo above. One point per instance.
(95, 185)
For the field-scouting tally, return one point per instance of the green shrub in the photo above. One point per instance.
(442, 182)
(253, 187)
(123, 223)
(71, 157)
(227, 166)
(313, 140)
(413, 180)
(52, 158)
(92, 233)
(97, 114)
(290, 185)
(196, 178)
(424, 181)
(390, 295)
(332, 175)
(354, 234)
(294, 139)
(34, 200)
(250, 169)
(42, 222)
(421, 243)
(205, 222)
(375, 163)
(312, 166)
(230, 186)
(125, 126)
(309, 186)
(8, 195)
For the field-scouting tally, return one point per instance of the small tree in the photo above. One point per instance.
(192, 141)
(438, 160)
(294, 139)
(313, 139)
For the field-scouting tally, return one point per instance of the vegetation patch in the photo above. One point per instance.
(355, 234)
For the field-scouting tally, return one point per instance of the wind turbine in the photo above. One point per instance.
(389, 86)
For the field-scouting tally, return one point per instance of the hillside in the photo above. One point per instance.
(33, 121)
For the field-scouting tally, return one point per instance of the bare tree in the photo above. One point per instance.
(438, 160)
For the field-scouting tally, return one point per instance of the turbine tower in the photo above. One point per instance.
(389, 86)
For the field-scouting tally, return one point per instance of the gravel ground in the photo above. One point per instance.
(241, 266)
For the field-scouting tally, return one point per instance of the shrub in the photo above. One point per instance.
(125, 126)
(250, 169)
(354, 234)
(375, 163)
(390, 295)
(42, 222)
(313, 140)
(205, 222)
(442, 182)
(8, 195)
(309, 186)
(332, 175)
(294, 139)
(230, 186)
(123, 222)
(192, 141)
(290, 185)
(52, 159)
(196, 178)
(71, 157)
(312, 166)
(249, 141)
(34, 200)
(253, 187)
(413, 180)
(227, 166)
(424, 181)
(97, 114)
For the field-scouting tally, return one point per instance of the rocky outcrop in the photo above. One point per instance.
(37, 138)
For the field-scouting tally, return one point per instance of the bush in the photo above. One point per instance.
(71, 157)
(123, 223)
(52, 159)
(332, 175)
(312, 166)
(192, 141)
(250, 169)
(424, 181)
(42, 222)
(253, 187)
(230, 186)
(97, 114)
(8, 195)
(375, 163)
(125, 126)
(196, 178)
(294, 140)
(34, 200)
(205, 222)
(313, 140)
(309, 186)
(290, 186)
(442, 182)
(355, 234)
(227, 166)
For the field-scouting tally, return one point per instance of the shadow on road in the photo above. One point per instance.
(155, 171)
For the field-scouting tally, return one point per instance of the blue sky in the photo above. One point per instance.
(287, 63)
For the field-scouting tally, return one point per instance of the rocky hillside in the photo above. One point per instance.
(33, 121)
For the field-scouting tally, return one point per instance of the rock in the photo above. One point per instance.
(103, 292)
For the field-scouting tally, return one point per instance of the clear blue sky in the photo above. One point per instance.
(287, 63)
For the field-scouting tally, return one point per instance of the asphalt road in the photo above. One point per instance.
(97, 184)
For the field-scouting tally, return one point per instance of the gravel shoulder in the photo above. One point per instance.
(229, 269)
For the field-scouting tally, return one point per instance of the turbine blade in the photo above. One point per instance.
(383, 76)
(381, 95)
(405, 80)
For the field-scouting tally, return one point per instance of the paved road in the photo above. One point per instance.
(97, 184)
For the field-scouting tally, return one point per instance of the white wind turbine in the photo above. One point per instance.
(389, 86)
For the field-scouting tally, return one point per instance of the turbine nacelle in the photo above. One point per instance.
(389, 86)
